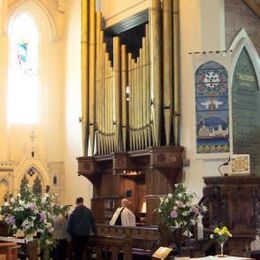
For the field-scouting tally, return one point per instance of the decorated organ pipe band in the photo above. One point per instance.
(130, 103)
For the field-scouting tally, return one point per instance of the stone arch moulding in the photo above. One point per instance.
(24, 166)
(245, 96)
(38, 10)
(241, 41)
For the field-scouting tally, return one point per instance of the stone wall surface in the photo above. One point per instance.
(238, 15)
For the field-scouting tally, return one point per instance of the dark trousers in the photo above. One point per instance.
(60, 250)
(79, 244)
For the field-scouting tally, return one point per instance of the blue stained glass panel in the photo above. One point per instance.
(212, 120)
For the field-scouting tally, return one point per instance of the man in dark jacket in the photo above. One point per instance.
(81, 224)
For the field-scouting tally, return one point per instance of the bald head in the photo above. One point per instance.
(125, 203)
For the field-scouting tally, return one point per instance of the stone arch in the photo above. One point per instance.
(245, 96)
(27, 164)
(39, 12)
(241, 41)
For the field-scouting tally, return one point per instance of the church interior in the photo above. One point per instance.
(109, 99)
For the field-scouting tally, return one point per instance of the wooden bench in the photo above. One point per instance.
(110, 247)
(143, 241)
(9, 250)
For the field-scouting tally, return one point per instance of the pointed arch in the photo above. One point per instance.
(241, 41)
(40, 14)
(25, 166)
(245, 95)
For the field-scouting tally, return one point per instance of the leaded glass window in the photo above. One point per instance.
(23, 80)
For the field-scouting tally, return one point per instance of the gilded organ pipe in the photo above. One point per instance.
(151, 116)
(167, 69)
(117, 92)
(92, 49)
(130, 102)
(85, 75)
(156, 70)
(176, 65)
(147, 86)
(124, 85)
(98, 82)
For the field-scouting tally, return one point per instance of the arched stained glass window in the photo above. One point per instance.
(23, 81)
(212, 110)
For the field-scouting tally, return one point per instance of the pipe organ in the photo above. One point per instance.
(131, 109)
(130, 103)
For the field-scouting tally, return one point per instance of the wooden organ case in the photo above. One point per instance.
(131, 108)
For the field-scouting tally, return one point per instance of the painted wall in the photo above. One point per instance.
(237, 16)
(75, 186)
(15, 139)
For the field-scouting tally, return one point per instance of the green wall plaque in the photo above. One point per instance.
(245, 111)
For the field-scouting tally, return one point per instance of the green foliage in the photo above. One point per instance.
(178, 211)
(31, 216)
(221, 234)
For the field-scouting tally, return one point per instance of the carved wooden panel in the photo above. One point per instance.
(235, 202)
(141, 176)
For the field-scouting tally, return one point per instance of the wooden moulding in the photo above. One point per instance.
(166, 157)
(158, 157)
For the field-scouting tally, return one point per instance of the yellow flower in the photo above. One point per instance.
(216, 230)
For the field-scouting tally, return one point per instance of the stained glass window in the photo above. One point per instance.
(23, 80)
(212, 108)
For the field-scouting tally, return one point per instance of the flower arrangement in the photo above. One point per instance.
(31, 215)
(178, 211)
(221, 234)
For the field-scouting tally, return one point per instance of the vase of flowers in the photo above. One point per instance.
(221, 234)
(31, 215)
(178, 211)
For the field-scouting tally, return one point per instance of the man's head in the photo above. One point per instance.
(79, 201)
(125, 203)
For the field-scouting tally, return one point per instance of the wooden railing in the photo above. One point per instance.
(128, 241)
(109, 247)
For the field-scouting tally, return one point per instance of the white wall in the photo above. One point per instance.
(75, 186)
(198, 34)
(15, 140)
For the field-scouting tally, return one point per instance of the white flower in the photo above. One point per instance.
(170, 195)
(48, 242)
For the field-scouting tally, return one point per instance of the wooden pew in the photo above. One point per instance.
(9, 249)
(110, 247)
(143, 241)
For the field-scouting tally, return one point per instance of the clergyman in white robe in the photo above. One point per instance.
(126, 215)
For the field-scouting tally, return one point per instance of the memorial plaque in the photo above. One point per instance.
(245, 111)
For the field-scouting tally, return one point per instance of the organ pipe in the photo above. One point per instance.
(112, 119)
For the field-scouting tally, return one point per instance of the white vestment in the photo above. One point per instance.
(127, 217)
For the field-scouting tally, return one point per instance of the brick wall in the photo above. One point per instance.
(237, 16)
